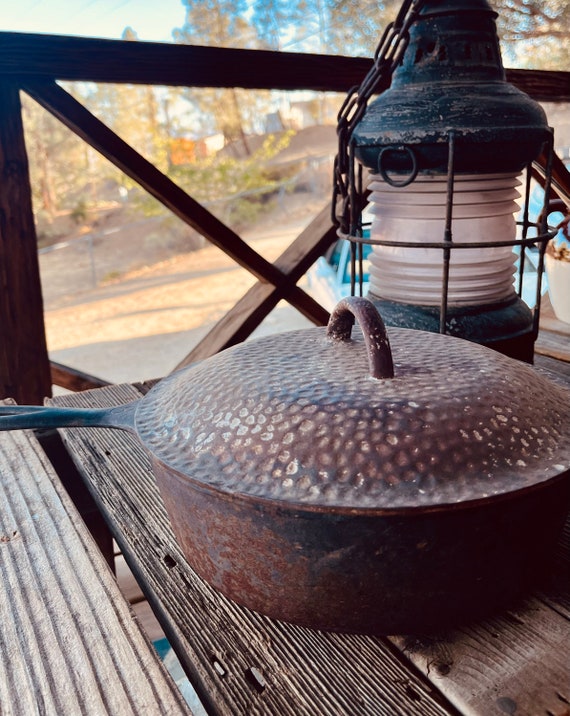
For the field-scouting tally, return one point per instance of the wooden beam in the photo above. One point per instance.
(73, 379)
(153, 63)
(24, 367)
(75, 116)
(261, 298)
(542, 85)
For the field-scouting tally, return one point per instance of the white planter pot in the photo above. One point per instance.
(558, 274)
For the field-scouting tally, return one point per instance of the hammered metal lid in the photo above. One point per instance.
(297, 417)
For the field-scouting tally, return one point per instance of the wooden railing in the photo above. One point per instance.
(34, 63)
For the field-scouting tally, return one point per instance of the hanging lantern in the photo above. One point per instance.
(445, 147)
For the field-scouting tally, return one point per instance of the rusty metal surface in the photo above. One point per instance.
(398, 572)
(297, 418)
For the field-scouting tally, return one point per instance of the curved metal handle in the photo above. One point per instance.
(18, 417)
(375, 337)
(400, 149)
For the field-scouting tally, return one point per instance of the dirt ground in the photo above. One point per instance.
(136, 324)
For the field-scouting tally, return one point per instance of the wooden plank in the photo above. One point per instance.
(554, 335)
(63, 106)
(555, 345)
(70, 642)
(239, 662)
(53, 447)
(518, 663)
(73, 379)
(541, 85)
(88, 59)
(238, 323)
(24, 368)
(563, 370)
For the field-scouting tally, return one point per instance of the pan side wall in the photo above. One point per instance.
(379, 574)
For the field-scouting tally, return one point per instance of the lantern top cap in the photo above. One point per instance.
(450, 79)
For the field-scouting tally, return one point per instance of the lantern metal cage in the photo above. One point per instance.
(508, 326)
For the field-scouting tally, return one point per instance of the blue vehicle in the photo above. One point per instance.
(329, 277)
(530, 276)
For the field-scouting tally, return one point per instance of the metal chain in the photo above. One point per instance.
(348, 195)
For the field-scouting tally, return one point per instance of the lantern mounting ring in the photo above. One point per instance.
(394, 150)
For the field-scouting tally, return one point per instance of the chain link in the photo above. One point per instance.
(348, 194)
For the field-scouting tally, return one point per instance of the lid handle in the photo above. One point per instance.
(340, 325)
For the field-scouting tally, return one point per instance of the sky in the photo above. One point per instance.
(152, 20)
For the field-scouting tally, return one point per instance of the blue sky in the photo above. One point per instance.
(153, 20)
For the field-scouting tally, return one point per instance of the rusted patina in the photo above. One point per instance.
(373, 571)
(371, 481)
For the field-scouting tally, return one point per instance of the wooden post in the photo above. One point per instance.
(24, 366)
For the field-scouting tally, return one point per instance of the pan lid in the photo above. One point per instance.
(371, 420)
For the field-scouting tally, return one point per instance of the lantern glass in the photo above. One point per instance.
(484, 209)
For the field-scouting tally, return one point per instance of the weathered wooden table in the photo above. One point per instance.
(242, 663)
(69, 642)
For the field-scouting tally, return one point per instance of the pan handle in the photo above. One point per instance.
(18, 417)
(376, 340)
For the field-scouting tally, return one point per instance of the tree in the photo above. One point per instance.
(535, 33)
(219, 23)
(58, 162)
(356, 27)
(271, 18)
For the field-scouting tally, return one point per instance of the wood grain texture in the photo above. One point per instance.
(69, 642)
(555, 345)
(88, 59)
(518, 661)
(24, 369)
(550, 363)
(238, 661)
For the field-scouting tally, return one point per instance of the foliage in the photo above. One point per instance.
(220, 23)
(270, 20)
(535, 33)
(79, 211)
(58, 159)
(235, 189)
